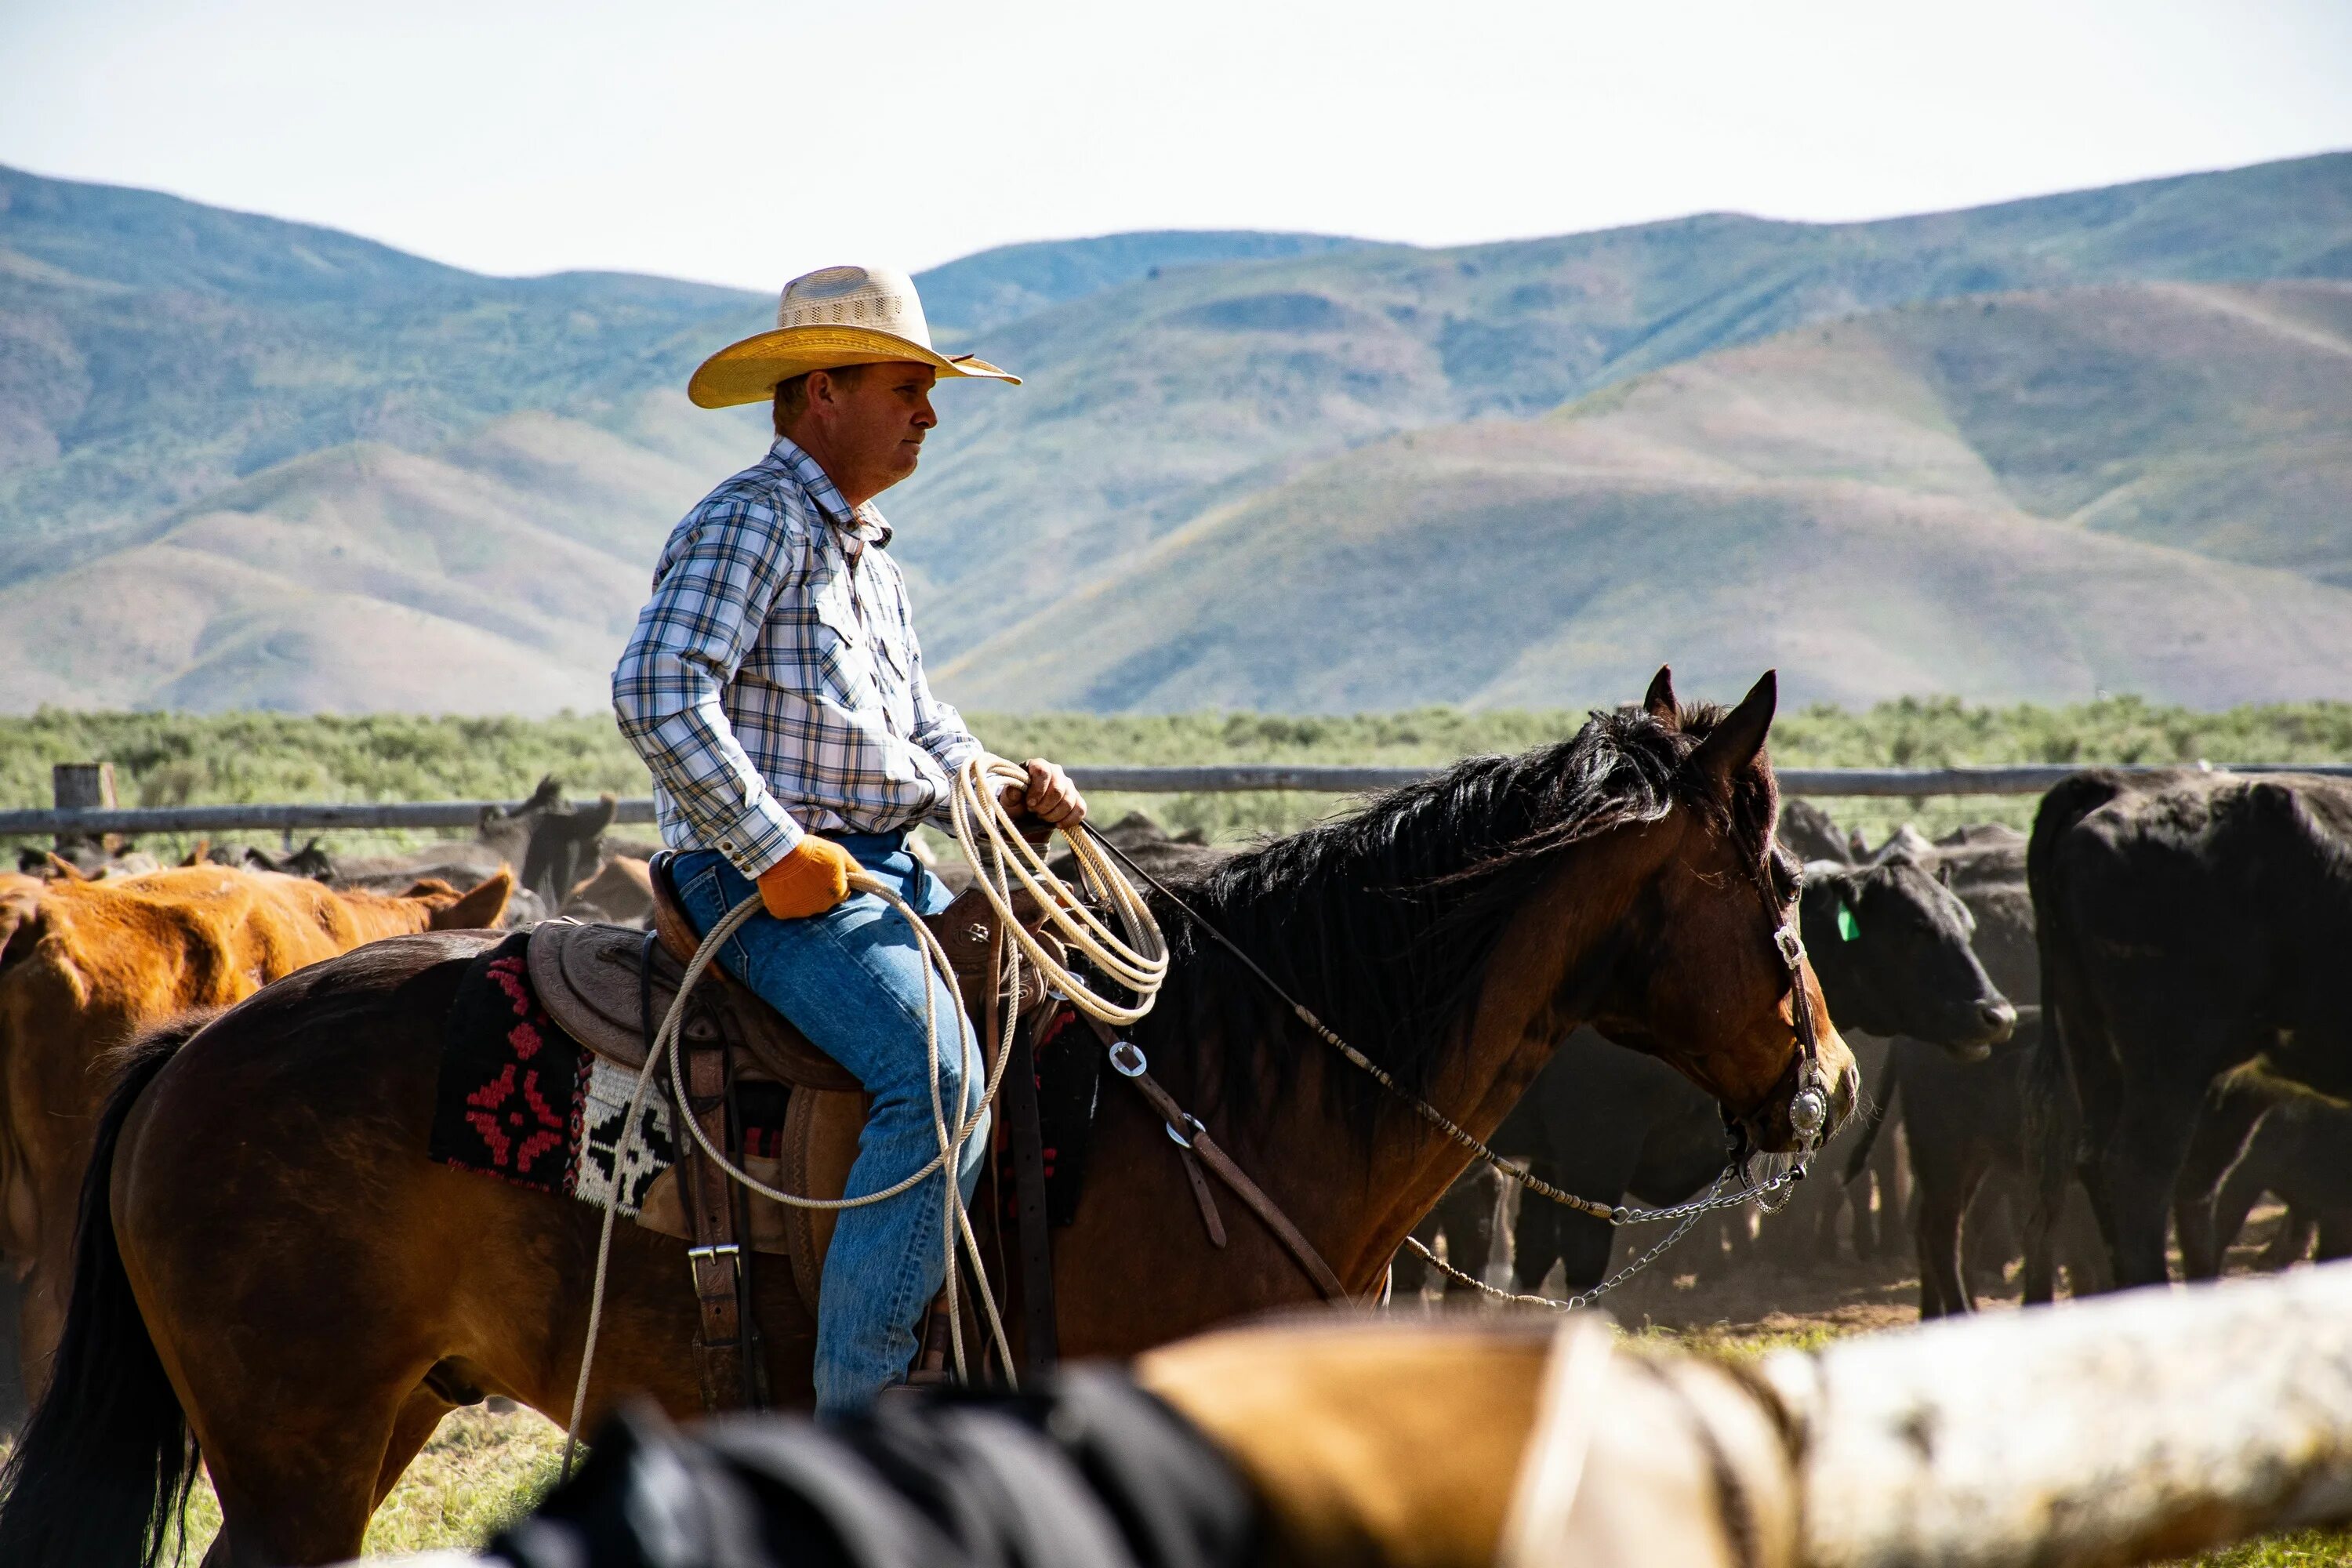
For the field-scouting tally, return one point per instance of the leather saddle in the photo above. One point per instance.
(589, 978)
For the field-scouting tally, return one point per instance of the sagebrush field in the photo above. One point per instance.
(172, 759)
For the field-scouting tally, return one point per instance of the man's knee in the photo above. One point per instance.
(907, 1065)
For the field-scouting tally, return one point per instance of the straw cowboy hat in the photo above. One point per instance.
(833, 317)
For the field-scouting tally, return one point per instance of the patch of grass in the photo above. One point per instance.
(1743, 1340)
(2304, 1549)
(477, 1474)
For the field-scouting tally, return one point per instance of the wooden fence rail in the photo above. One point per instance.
(1900, 783)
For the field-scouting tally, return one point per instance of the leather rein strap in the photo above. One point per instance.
(1127, 1060)
(1809, 1105)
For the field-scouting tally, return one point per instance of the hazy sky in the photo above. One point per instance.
(742, 143)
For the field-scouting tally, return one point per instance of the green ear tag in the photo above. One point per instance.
(1849, 928)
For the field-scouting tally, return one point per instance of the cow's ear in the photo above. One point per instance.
(20, 918)
(479, 909)
(1659, 702)
(1735, 743)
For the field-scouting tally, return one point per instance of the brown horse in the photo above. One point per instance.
(85, 965)
(266, 1249)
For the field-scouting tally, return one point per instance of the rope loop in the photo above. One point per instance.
(1134, 957)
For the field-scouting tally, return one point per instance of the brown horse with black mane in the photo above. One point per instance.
(271, 1266)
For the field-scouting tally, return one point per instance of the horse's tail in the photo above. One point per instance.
(101, 1472)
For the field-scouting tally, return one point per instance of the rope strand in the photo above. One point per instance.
(1135, 958)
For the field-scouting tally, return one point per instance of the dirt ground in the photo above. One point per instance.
(1771, 1293)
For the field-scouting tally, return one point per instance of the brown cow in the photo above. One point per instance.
(622, 892)
(86, 965)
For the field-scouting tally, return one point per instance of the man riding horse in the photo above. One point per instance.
(774, 687)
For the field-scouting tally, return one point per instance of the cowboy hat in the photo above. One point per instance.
(833, 317)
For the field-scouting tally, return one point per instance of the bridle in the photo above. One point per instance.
(1808, 1110)
(1809, 1106)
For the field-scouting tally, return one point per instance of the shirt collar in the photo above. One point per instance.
(864, 524)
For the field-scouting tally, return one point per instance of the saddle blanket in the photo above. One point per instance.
(519, 1099)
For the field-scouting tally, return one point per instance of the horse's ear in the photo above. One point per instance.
(1659, 700)
(1733, 744)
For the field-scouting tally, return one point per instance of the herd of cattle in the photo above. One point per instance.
(2185, 928)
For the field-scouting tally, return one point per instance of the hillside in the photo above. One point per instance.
(2136, 487)
(488, 576)
(248, 462)
(153, 350)
(1147, 406)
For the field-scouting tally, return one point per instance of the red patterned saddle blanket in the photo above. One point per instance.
(520, 1099)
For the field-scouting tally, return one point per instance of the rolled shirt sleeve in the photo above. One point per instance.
(722, 572)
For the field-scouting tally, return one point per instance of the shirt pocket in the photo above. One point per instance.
(890, 667)
(839, 641)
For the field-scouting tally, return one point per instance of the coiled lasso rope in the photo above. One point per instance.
(1134, 957)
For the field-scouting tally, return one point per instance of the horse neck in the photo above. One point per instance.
(1357, 1198)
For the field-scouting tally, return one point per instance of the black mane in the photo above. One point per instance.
(1382, 922)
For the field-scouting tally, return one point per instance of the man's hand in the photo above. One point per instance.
(808, 881)
(1050, 796)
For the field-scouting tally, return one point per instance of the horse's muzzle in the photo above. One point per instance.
(1772, 1128)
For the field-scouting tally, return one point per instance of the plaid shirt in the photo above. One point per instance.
(773, 683)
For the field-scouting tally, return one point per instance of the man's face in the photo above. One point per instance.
(873, 421)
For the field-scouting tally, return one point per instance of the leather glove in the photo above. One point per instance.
(809, 880)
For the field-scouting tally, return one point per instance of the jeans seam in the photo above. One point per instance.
(847, 957)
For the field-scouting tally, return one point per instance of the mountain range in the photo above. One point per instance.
(2086, 441)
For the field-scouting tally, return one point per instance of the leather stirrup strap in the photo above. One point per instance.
(1189, 1132)
(1033, 1238)
(716, 1258)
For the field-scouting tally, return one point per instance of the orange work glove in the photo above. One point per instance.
(810, 880)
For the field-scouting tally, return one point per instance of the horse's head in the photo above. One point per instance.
(1711, 943)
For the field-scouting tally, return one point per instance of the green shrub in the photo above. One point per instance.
(174, 758)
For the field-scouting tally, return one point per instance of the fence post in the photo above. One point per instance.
(82, 786)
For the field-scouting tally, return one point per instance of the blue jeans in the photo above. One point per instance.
(852, 980)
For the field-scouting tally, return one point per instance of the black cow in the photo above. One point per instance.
(1465, 1217)
(2187, 922)
(1890, 946)
(1971, 1128)
(2301, 1153)
(2261, 1134)
(1965, 1121)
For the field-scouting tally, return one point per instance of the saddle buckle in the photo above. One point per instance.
(708, 1251)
